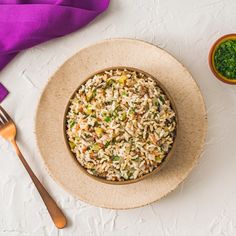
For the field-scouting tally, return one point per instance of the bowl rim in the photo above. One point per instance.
(125, 182)
(211, 58)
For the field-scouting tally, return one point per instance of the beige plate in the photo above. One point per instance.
(111, 53)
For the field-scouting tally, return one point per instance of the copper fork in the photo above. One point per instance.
(8, 131)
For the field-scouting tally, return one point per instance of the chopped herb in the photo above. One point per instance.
(86, 135)
(162, 99)
(115, 158)
(107, 144)
(225, 59)
(124, 93)
(132, 110)
(107, 119)
(72, 123)
(113, 140)
(132, 170)
(109, 82)
(94, 93)
(93, 171)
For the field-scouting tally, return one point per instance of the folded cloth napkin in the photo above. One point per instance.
(25, 23)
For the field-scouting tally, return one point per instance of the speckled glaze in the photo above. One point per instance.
(115, 53)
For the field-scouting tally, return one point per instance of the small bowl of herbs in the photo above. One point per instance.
(222, 59)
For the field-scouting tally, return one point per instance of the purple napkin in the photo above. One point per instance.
(25, 23)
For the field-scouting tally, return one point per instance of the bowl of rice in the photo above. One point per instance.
(120, 125)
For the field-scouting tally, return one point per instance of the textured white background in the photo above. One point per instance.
(205, 204)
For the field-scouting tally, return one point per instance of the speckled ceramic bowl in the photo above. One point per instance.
(212, 61)
(155, 171)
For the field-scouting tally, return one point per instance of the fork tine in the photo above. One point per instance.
(3, 119)
(1, 123)
(7, 117)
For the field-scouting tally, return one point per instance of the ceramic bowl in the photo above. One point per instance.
(212, 62)
(155, 171)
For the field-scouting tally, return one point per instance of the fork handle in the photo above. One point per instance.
(55, 212)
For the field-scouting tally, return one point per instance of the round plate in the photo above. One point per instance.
(111, 53)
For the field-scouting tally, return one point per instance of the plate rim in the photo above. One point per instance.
(195, 162)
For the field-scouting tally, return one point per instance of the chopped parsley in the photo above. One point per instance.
(107, 119)
(225, 59)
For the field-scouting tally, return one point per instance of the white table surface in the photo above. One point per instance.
(205, 204)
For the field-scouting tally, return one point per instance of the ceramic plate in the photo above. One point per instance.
(111, 53)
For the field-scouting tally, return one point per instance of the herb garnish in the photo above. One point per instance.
(225, 59)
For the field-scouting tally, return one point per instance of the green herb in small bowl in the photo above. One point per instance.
(222, 59)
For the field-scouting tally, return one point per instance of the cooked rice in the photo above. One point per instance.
(120, 125)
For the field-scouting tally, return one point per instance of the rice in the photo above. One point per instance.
(120, 125)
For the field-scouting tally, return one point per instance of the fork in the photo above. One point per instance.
(8, 132)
